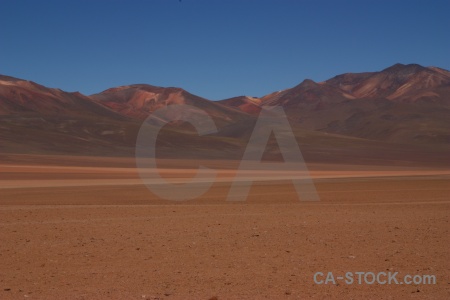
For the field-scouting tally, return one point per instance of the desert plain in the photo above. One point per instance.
(87, 228)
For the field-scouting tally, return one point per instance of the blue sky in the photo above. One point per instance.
(215, 48)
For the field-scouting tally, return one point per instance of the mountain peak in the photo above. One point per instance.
(308, 83)
(402, 68)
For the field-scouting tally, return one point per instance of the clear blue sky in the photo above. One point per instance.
(215, 48)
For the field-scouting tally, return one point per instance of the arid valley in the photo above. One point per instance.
(83, 228)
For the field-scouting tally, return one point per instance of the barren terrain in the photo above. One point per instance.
(85, 228)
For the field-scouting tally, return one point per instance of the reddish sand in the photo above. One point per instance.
(79, 232)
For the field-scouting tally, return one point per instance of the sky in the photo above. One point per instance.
(215, 48)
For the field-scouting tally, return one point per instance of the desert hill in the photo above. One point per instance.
(402, 103)
(364, 116)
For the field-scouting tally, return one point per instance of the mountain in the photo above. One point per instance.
(37, 119)
(400, 83)
(250, 105)
(23, 97)
(401, 112)
(140, 100)
(402, 104)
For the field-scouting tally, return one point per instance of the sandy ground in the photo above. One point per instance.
(83, 232)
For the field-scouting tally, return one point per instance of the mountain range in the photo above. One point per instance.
(362, 116)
